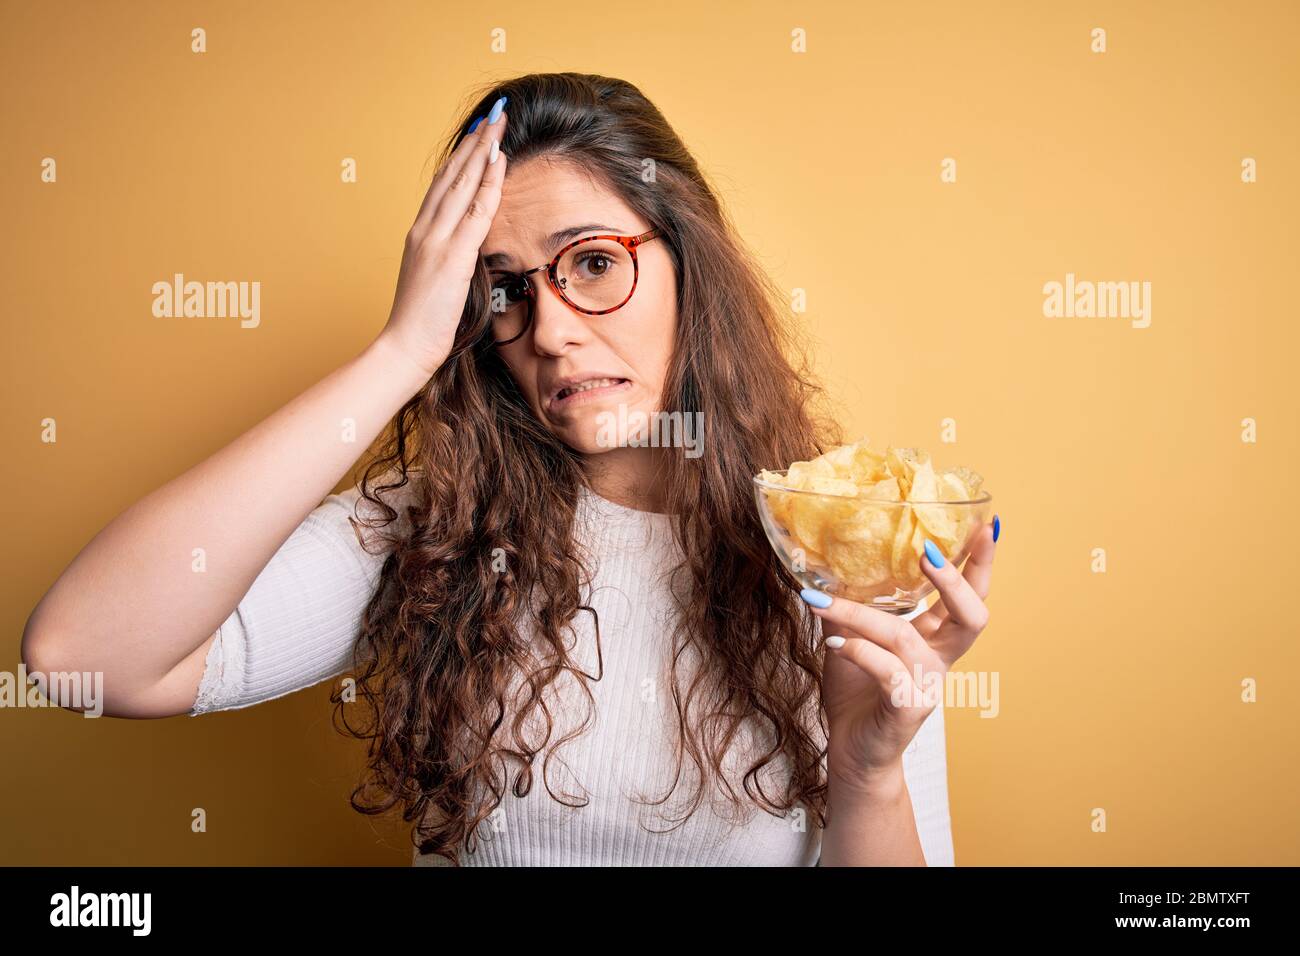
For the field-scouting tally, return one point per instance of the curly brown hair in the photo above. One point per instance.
(440, 639)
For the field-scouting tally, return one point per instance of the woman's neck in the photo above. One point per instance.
(632, 477)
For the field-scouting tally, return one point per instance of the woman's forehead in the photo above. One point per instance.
(542, 198)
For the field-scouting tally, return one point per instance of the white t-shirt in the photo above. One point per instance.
(298, 623)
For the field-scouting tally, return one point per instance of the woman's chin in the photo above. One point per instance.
(590, 438)
(600, 428)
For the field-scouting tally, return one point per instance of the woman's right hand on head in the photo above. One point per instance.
(442, 248)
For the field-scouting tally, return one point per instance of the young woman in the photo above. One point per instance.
(567, 645)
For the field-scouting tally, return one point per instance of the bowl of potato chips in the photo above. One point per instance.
(854, 521)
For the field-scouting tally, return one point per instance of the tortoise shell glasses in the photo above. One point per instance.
(594, 275)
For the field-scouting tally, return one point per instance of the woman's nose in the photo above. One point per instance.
(556, 324)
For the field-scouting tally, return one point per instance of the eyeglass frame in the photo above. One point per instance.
(630, 243)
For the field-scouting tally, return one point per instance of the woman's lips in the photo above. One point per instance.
(586, 395)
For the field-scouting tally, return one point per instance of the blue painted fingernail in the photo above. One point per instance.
(933, 553)
(997, 528)
(497, 107)
(474, 125)
(816, 598)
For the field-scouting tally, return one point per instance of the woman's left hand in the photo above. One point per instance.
(874, 684)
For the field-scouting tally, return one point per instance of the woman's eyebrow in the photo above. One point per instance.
(554, 240)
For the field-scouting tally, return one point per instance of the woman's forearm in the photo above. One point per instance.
(871, 823)
(141, 596)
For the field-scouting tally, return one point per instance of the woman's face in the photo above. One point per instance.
(629, 348)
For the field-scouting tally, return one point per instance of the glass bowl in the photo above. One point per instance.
(866, 549)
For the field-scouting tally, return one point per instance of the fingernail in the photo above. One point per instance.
(497, 107)
(474, 125)
(493, 150)
(834, 642)
(933, 553)
(816, 598)
(997, 528)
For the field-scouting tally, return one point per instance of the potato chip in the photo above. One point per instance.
(904, 463)
(841, 459)
(886, 490)
(859, 548)
(909, 541)
(801, 472)
(970, 480)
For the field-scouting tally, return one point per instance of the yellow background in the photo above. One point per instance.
(1118, 691)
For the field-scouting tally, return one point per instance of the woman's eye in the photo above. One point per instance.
(509, 292)
(596, 264)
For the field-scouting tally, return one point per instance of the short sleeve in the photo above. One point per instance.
(299, 622)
